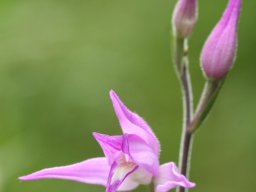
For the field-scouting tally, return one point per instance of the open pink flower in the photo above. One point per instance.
(130, 159)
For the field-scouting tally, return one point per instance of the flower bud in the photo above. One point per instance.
(219, 51)
(184, 17)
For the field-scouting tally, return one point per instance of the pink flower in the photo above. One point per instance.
(130, 159)
(219, 50)
(184, 17)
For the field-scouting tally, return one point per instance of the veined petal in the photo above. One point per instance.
(141, 153)
(169, 178)
(128, 184)
(140, 176)
(120, 170)
(111, 145)
(91, 171)
(132, 123)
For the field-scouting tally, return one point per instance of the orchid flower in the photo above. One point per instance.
(130, 159)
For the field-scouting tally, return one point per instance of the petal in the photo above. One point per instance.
(128, 184)
(140, 176)
(141, 153)
(132, 123)
(118, 173)
(169, 178)
(111, 145)
(91, 171)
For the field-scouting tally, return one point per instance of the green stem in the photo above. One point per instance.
(208, 97)
(151, 187)
(179, 53)
(182, 68)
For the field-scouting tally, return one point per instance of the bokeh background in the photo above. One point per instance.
(60, 58)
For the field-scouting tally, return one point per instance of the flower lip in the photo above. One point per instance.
(118, 173)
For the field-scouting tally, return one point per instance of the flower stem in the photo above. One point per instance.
(182, 68)
(151, 187)
(185, 153)
(208, 97)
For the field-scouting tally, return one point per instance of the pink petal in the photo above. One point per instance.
(91, 171)
(132, 123)
(128, 184)
(141, 153)
(170, 178)
(118, 173)
(111, 145)
(140, 176)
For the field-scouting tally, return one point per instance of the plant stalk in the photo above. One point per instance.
(208, 97)
(182, 69)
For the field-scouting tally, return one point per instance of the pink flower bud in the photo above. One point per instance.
(219, 50)
(184, 17)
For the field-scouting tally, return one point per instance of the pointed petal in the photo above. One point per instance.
(169, 178)
(118, 173)
(91, 171)
(141, 153)
(132, 123)
(111, 145)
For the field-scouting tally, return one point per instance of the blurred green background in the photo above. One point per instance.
(59, 59)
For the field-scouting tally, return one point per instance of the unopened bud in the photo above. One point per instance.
(184, 17)
(219, 51)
